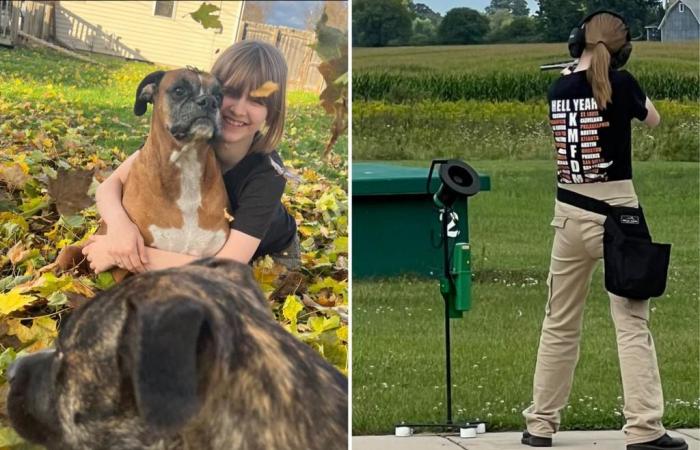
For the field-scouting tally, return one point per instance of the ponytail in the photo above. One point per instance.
(598, 77)
(606, 34)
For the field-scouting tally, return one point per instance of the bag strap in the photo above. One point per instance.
(583, 202)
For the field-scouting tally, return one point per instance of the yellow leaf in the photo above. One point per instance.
(342, 333)
(327, 202)
(14, 300)
(41, 334)
(268, 88)
(292, 307)
(80, 288)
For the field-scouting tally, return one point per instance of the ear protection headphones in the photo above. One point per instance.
(577, 40)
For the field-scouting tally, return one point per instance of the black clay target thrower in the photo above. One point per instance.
(458, 182)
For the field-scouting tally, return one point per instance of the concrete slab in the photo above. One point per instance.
(690, 432)
(569, 440)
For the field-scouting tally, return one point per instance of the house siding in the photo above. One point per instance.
(130, 30)
(680, 26)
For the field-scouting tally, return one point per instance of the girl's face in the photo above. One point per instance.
(242, 116)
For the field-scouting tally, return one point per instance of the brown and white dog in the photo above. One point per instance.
(174, 192)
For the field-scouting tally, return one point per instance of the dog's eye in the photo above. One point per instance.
(219, 98)
(179, 91)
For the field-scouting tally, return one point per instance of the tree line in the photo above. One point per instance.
(378, 23)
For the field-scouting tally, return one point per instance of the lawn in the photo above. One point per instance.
(398, 340)
(58, 114)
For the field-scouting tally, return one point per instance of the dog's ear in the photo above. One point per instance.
(145, 92)
(172, 354)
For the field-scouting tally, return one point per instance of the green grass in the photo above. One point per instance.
(501, 130)
(506, 71)
(398, 352)
(104, 96)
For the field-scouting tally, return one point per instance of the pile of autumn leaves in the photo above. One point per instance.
(52, 157)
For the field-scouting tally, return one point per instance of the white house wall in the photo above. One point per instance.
(129, 29)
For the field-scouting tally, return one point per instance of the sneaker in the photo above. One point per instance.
(536, 441)
(665, 442)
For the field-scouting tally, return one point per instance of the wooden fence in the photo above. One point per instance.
(302, 60)
(34, 18)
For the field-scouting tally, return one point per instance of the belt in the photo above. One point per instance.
(583, 202)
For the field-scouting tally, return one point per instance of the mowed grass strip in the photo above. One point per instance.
(398, 334)
(507, 71)
(501, 130)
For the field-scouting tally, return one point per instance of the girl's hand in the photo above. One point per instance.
(97, 254)
(122, 246)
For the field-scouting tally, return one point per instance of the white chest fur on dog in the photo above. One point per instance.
(190, 239)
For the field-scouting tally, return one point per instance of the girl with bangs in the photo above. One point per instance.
(252, 127)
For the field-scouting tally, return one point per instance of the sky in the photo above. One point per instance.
(442, 6)
(291, 14)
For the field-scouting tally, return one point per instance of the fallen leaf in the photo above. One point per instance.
(17, 253)
(13, 176)
(69, 191)
(14, 300)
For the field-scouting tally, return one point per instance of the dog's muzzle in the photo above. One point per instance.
(198, 119)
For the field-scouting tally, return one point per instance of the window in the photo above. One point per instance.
(164, 9)
(681, 7)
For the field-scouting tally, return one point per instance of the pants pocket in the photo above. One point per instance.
(558, 221)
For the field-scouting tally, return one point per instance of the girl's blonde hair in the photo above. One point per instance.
(605, 34)
(246, 66)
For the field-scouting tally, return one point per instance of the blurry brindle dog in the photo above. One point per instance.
(186, 358)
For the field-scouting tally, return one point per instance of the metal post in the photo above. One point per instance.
(446, 215)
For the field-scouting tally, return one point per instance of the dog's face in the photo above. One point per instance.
(129, 369)
(186, 101)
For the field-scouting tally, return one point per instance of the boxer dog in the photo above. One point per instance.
(174, 192)
(188, 358)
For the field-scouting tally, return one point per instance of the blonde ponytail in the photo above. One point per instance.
(598, 77)
(605, 34)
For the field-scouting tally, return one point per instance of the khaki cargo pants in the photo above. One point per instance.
(577, 248)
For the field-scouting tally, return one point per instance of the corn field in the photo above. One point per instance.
(507, 72)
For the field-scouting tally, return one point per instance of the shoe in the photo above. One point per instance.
(536, 441)
(665, 442)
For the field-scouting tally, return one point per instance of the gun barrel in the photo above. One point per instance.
(558, 65)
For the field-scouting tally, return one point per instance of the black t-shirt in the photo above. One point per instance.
(254, 190)
(594, 145)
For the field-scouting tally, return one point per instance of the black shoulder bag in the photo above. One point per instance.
(635, 267)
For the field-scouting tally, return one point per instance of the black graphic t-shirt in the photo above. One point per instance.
(594, 145)
(254, 190)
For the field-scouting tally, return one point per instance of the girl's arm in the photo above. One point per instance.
(239, 247)
(653, 118)
(123, 244)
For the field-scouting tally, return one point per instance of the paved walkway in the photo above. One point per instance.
(569, 440)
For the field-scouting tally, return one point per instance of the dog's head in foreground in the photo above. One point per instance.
(187, 358)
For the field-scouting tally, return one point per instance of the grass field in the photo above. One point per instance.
(472, 129)
(398, 353)
(506, 71)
